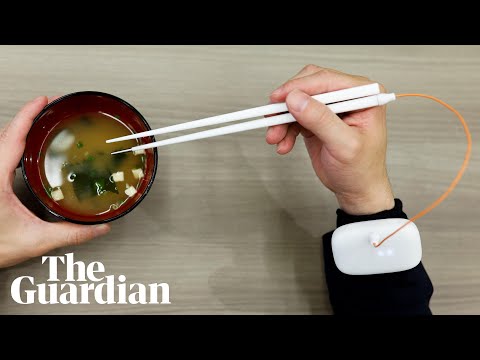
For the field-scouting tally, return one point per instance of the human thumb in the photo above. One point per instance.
(66, 234)
(318, 118)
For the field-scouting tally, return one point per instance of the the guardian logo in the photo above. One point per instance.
(105, 289)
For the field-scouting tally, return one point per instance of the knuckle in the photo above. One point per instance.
(322, 74)
(361, 79)
(311, 67)
(320, 110)
(289, 86)
(74, 238)
(367, 80)
(322, 71)
(383, 89)
(317, 115)
(313, 70)
(279, 90)
(364, 78)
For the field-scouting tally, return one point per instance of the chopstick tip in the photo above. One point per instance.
(120, 151)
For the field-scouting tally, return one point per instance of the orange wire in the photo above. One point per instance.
(459, 174)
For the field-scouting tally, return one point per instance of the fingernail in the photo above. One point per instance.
(102, 228)
(38, 98)
(297, 100)
(269, 132)
(276, 92)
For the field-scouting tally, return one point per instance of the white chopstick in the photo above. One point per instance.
(337, 108)
(326, 98)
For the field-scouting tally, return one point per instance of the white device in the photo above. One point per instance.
(354, 251)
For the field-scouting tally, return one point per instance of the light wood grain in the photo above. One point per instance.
(230, 225)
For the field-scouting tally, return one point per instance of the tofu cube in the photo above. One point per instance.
(139, 152)
(137, 173)
(57, 194)
(131, 191)
(118, 176)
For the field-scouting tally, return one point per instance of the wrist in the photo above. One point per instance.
(377, 199)
(396, 212)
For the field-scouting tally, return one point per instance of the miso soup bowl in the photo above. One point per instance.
(77, 104)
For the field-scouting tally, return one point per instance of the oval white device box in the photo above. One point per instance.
(355, 254)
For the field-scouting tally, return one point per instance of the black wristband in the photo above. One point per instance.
(396, 212)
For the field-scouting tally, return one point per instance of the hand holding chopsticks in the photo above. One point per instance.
(341, 101)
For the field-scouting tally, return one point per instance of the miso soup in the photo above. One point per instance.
(78, 171)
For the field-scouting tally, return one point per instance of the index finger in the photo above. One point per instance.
(322, 81)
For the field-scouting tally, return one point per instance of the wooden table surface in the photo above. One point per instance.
(232, 227)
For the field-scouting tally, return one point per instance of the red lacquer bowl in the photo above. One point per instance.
(77, 104)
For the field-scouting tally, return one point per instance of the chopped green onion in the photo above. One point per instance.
(48, 190)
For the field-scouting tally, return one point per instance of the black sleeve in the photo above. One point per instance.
(401, 293)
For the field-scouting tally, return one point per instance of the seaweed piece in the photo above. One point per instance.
(83, 186)
(110, 185)
(117, 159)
(103, 184)
(100, 186)
(89, 182)
(79, 145)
